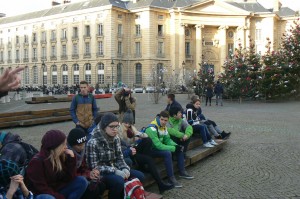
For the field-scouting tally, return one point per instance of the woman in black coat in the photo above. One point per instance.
(209, 94)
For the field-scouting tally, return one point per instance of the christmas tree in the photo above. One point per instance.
(205, 76)
(241, 76)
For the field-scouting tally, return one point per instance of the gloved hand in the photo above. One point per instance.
(126, 172)
(120, 173)
(191, 122)
(179, 148)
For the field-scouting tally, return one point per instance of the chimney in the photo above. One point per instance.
(277, 6)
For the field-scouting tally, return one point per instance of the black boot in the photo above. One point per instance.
(225, 135)
(164, 187)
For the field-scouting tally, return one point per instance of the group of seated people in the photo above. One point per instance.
(74, 167)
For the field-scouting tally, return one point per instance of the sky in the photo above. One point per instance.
(15, 7)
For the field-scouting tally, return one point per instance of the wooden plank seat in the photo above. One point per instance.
(195, 153)
(29, 118)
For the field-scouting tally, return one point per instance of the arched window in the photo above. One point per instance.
(88, 74)
(76, 73)
(26, 75)
(64, 69)
(160, 72)
(35, 75)
(119, 72)
(54, 74)
(100, 73)
(138, 73)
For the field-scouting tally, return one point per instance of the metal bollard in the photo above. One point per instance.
(50, 93)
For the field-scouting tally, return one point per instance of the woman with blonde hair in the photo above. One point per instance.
(51, 174)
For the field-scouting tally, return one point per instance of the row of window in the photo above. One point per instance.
(75, 51)
(75, 67)
(75, 33)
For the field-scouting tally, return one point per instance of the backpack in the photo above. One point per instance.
(30, 151)
(28, 148)
(143, 129)
(133, 189)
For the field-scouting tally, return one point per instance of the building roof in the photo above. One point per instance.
(254, 7)
(63, 9)
(250, 7)
(286, 12)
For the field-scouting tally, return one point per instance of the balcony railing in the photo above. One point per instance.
(87, 55)
(160, 55)
(120, 55)
(137, 55)
(100, 54)
(87, 36)
(53, 40)
(75, 56)
(43, 41)
(63, 57)
(120, 35)
(100, 35)
(34, 43)
(9, 61)
(1, 61)
(34, 59)
(53, 58)
(17, 60)
(138, 35)
(25, 60)
(74, 38)
(63, 39)
(43, 58)
(188, 56)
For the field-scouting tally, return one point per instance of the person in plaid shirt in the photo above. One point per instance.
(104, 152)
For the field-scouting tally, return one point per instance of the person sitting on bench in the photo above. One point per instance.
(137, 147)
(163, 146)
(179, 129)
(191, 116)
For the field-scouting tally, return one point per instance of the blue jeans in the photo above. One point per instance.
(167, 156)
(73, 190)
(202, 129)
(88, 131)
(219, 97)
(115, 183)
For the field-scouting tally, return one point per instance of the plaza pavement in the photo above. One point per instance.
(261, 159)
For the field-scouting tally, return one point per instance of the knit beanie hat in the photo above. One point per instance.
(108, 118)
(98, 118)
(8, 168)
(53, 139)
(128, 117)
(76, 136)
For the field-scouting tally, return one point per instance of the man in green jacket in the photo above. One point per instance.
(179, 129)
(163, 146)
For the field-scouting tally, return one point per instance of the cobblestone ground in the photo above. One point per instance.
(261, 159)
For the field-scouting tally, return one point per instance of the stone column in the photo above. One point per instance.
(223, 46)
(198, 58)
(181, 56)
(240, 36)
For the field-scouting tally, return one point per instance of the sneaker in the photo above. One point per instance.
(185, 175)
(174, 182)
(219, 137)
(165, 187)
(208, 145)
(212, 142)
(225, 135)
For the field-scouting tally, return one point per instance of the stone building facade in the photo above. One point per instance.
(108, 42)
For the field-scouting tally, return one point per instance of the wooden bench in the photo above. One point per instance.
(48, 99)
(45, 116)
(195, 153)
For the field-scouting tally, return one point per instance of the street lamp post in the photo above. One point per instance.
(112, 72)
(43, 66)
(183, 76)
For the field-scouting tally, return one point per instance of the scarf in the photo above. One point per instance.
(79, 156)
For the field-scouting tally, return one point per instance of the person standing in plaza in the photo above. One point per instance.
(209, 94)
(84, 109)
(219, 93)
(126, 102)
